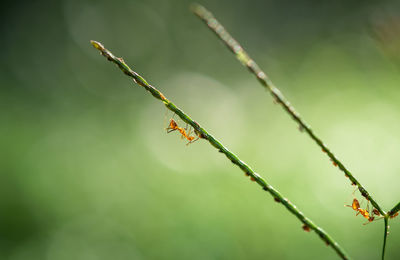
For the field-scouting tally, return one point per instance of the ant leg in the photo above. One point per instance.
(190, 130)
(372, 219)
(187, 129)
(169, 130)
(165, 120)
(165, 117)
(362, 202)
(354, 200)
(367, 209)
(194, 140)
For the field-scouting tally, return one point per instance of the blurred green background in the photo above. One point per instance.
(87, 170)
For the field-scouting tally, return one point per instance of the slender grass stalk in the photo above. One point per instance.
(394, 210)
(390, 214)
(202, 133)
(245, 59)
(386, 223)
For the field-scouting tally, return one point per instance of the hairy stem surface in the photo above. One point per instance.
(202, 133)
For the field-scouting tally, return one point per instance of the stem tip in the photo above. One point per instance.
(97, 45)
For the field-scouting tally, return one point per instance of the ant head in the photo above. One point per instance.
(172, 123)
(356, 204)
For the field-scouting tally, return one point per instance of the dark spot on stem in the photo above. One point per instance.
(334, 163)
(306, 228)
(325, 239)
(363, 192)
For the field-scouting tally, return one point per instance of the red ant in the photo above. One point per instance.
(370, 216)
(174, 126)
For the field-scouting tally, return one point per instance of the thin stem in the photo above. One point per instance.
(245, 59)
(385, 236)
(394, 209)
(391, 214)
(202, 133)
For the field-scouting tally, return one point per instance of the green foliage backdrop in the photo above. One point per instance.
(88, 172)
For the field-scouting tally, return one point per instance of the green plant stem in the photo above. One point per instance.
(389, 214)
(386, 223)
(394, 209)
(245, 59)
(214, 142)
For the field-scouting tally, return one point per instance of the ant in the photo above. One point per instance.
(370, 216)
(174, 126)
